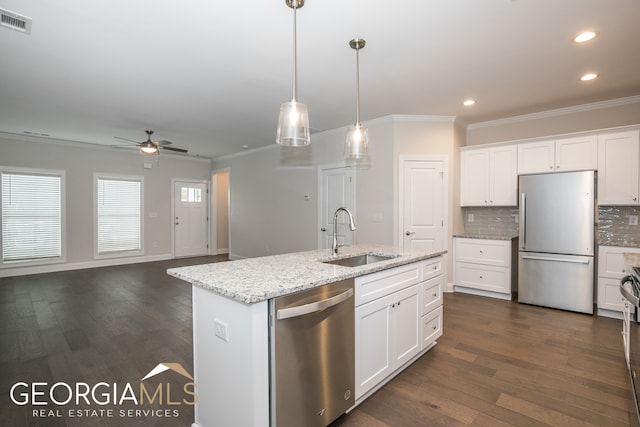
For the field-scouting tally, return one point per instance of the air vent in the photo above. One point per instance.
(15, 21)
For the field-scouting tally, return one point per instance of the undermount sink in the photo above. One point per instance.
(357, 260)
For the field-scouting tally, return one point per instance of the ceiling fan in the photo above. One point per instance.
(153, 147)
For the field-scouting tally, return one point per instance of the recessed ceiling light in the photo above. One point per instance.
(469, 102)
(585, 36)
(588, 76)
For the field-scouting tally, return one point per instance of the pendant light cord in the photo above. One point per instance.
(295, 48)
(357, 86)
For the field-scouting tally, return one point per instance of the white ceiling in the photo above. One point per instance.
(211, 75)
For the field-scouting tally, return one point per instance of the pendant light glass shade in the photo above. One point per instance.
(357, 141)
(293, 123)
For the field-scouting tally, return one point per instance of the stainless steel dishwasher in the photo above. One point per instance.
(312, 355)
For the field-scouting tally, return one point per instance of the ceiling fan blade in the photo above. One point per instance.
(163, 142)
(179, 150)
(126, 139)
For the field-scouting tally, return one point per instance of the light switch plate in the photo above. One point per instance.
(633, 219)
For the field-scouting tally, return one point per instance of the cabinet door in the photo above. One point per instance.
(578, 153)
(406, 313)
(474, 177)
(536, 157)
(373, 347)
(609, 296)
(618, 157)
(503, 180)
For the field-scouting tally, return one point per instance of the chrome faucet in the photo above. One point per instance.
(352, 227)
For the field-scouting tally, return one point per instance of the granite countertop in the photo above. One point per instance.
(485, 236)
(632, 260)
(253, 280)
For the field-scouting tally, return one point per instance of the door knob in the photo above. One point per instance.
(323, 229)
(409, 233)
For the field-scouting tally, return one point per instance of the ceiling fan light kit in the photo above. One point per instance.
(293, 122)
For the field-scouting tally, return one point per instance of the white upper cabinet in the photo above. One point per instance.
(559, 155)
(536, 157)
(618, 164)
(488, 176)
(577, 153)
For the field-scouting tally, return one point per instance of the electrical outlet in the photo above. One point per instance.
(633, 219)
(470, 218)
(221, 330)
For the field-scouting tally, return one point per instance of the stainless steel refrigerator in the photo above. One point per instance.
(557, 227)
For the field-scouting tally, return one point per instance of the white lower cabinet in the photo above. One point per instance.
(611, 268)
(390, 330)
(484, 267)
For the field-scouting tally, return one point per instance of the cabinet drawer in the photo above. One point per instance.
(431, 268)
(485, 277)
(611, 261)
(432, 293)
(481, 251)
(376, 285)
(431, 327)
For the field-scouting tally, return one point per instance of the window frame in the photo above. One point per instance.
(63, 218)
(122, 253)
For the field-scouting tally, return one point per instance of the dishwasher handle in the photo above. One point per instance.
(313, 307)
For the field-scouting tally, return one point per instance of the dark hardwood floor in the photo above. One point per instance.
(498, 363)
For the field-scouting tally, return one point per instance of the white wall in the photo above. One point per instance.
(269, 214)
(81, 161)
(601, 115)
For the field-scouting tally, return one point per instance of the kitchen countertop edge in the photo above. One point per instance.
(253, 280)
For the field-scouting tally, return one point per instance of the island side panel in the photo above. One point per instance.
(232, 376)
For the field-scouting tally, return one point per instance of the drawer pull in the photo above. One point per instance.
(434, 327)
(481, 277)
(435, 267)
(435, 294)
(481, 251)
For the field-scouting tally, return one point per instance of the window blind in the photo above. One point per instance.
(119, 205)
(31, 216)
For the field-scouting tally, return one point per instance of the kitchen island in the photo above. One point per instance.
(231, 319)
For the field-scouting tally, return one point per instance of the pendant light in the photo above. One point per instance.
(293, 123)
(357, 142)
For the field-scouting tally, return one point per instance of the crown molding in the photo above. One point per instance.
(556, 112)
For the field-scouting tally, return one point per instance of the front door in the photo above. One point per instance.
(422, 205)
(336, 190)
(190, 219)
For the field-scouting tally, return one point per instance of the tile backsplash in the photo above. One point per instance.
(613, 223)
(614, 228)
(499, 222)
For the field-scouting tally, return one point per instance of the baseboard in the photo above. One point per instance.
(483, 293)
(52, 268)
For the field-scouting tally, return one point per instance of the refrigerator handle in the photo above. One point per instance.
(523, 218)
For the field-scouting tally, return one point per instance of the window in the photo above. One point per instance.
(32, 215)
(190, 194)
(119, 215)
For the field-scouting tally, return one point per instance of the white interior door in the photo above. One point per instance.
(422, 204)
(190, 219)
(336, 190)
